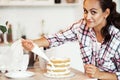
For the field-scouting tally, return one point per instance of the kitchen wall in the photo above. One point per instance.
(32, 18)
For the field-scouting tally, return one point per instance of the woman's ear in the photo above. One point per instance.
(107, 13)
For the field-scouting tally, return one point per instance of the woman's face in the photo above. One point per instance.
(93, 14)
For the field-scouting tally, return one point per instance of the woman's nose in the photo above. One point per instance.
(88, 16)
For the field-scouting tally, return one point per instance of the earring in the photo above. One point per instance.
(104, 17)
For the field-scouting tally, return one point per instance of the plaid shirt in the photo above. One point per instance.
(107, 58)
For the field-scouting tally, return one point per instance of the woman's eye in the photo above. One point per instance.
(85, 12)
(93, 12)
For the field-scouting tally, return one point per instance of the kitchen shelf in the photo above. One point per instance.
(38, 4)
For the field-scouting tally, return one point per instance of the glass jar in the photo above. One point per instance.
(70, 1)
(57, 1)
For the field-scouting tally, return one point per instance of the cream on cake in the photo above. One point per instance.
(61, 67)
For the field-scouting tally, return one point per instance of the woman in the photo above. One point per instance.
(98, 34)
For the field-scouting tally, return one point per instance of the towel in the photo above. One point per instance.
(13, 57)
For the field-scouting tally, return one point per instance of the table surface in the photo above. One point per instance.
(39, 76)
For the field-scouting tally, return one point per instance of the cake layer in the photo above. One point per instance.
(57, 68)
(60, 64)
(59, 60)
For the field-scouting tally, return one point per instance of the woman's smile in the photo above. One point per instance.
(89, 23)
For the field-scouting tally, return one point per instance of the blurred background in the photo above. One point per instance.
(33, 18)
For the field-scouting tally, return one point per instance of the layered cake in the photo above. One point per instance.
(60, 67)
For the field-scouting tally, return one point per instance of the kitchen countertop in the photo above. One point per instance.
(39, 75)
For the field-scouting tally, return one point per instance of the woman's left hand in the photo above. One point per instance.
(91, 71)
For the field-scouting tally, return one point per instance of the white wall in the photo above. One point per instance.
(30, 18)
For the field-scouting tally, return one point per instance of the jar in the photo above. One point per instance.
(1, 38)
(70, 1)
(57, 1)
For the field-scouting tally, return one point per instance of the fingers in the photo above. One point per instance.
(27, 44)
(90, 70)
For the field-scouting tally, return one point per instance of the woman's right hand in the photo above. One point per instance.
(27, 44)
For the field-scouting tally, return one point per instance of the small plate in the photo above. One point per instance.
(19, 74)
(54, 76)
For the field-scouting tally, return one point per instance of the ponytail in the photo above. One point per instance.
(115, 16)
(112, 19)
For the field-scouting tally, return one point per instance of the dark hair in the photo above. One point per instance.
(112, 19)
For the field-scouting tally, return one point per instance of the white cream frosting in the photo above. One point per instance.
(57, 68)
(61, 66)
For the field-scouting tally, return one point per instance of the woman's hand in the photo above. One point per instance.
(91, 71)
(27, 44)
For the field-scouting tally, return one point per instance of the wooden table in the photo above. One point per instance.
(39, 76)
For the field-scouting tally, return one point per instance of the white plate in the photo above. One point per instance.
(19, 74)
(54, 76)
